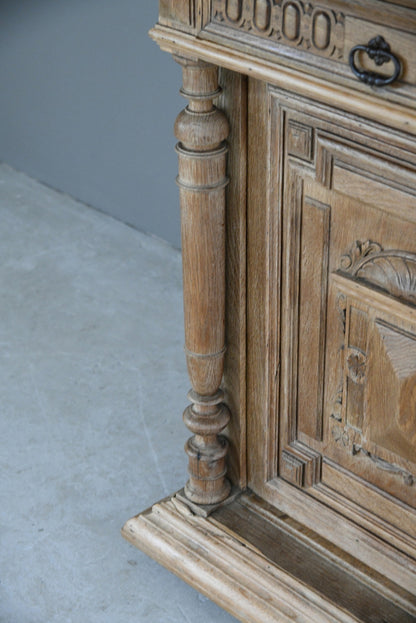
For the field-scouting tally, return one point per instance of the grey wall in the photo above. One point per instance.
(88, 103)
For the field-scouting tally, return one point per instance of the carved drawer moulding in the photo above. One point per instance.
(290, 22)
(319, 37)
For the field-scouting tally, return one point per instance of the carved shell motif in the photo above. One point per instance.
(393, 271)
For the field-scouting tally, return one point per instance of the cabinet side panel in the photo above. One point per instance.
(233, 101)
(258, 267)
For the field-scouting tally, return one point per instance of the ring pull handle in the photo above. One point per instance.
(379, 51)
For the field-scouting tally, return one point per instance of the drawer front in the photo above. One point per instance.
(319, 36)
(402, 45)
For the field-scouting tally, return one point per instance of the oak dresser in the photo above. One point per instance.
(297, 182)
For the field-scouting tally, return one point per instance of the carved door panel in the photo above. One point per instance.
(342, 234)
(370, 411)
(356, 385)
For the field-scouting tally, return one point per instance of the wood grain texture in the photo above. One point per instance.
(348, 583)
(351, 98)
(179, 14)
(202, 129)
(318, 37)
(233, 101)
(304, 265)
(246, 557)
(308, 216)
(257, 286)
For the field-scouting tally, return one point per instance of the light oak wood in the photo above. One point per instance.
(299, 261)
(202, 129)
(355, 100)
(250, 565)
(310, 212)
(233, 101)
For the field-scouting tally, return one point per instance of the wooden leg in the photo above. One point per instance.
(201, 130)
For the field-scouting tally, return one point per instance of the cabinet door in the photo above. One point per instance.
(337, 391)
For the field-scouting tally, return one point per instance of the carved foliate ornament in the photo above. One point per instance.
(393, 271)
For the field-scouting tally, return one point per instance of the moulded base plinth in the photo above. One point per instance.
(261, 566)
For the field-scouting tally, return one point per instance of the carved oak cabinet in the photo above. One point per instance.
(297, 181)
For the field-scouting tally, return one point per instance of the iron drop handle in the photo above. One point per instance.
(379, 51)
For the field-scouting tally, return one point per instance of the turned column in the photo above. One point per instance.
(201, 130)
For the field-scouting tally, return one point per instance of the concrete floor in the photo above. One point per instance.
(93, 384)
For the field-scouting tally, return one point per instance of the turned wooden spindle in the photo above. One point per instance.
(201, 130)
